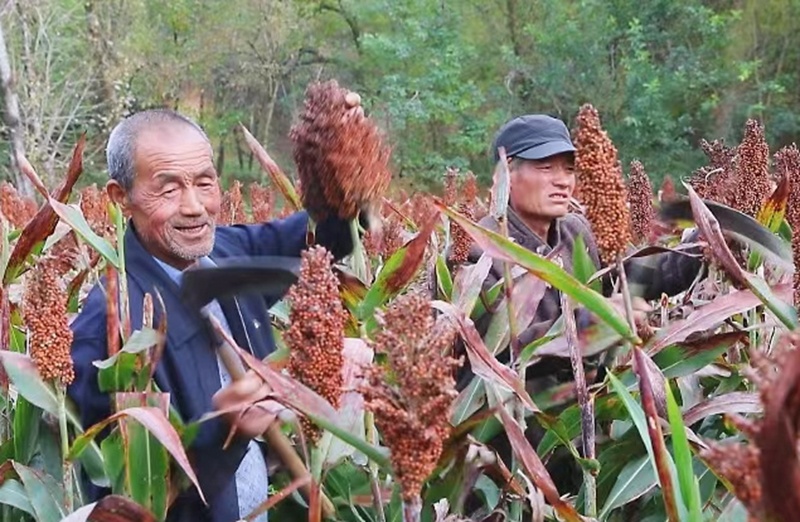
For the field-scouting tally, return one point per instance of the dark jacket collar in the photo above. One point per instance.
(526, 237)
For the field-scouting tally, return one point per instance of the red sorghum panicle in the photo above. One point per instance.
(787, 163)
(713, 182)
(231, 210)
(45, 313)
(602, 189)
(341, 160)
(461, 240)
(316, 333)
(94, 206)
(17, 210)
(741, 464)
(262, 201)
(470, 188)
(450, 187)
(751, 184)
(412, 394)
(667, 192)
(640, 196)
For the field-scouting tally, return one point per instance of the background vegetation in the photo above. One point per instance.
(440, 76)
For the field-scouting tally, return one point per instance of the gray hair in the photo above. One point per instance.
(122, 141)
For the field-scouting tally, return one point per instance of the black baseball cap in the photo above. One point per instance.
(532, 136)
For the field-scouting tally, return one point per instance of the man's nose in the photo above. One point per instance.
(191, 204)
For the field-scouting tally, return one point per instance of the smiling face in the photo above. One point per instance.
(175, 196)
(541, 189)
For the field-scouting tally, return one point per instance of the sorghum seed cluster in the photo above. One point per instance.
(412, 395)
(787, 163)
(751, 183)
(45, 313)
(602, 189)
(640, 196)
(316, 333)
(341, 161)
(262, 201)
(16, 209)
(232, 207)
(713, 182)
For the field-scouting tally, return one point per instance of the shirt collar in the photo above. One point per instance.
(175, 274)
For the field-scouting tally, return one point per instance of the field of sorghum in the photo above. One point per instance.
(692, 417)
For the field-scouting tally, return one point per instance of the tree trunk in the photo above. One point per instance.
(104, 61)
(11, 118)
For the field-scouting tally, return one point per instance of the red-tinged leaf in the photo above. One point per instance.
(397, 272)
(111, 508)
(709, 226)
(710, 316)
(774, 209)
(44, 222)
(534, 468)
(504, 249)
(407, 221)
(526, 294)
(660, 453)
(273, 170)
(483, 363)
(5, 336)
(468, 284)
(733, 402)
(157, 424)
(300, 398)
(777, 442)
(112, 310)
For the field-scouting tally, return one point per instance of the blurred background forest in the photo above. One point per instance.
(439, 75)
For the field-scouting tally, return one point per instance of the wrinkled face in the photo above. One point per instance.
(175, 196)
(541, 189)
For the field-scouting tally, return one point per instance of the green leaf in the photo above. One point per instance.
(156, 422)
(469, 401)
(636, 478)
(73, 217)
(13, 494)
(114, 458)
(583, 268)
(397, 272)
(146, 463)
(27, 419)
(690, 488)
(26, 379)
(444, 279)
(503, 248)
(44, 494)
(681, 360)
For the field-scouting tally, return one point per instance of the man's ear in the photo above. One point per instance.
(117, 194)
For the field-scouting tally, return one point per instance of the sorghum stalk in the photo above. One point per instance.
(585, 403)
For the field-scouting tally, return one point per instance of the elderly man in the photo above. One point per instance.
(162, 174)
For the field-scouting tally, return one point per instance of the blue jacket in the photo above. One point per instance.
(188, 368)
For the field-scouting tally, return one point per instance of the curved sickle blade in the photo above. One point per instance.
(738, 226)
(268, 276)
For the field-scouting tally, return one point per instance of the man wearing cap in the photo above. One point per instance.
(540, 155)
